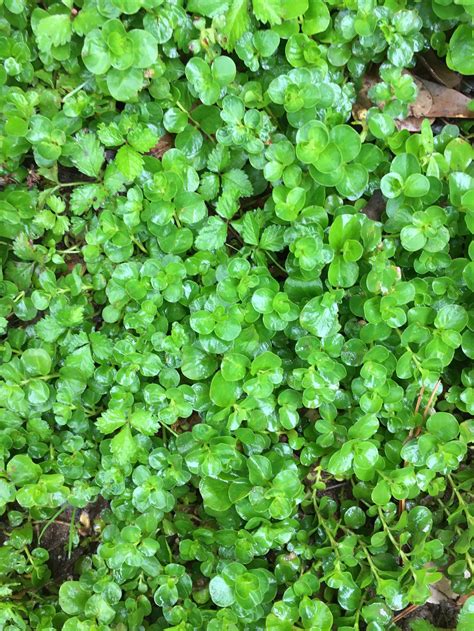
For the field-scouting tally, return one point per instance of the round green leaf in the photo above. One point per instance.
(452, 317)
(36, 361)
(223, 70)
(416, 185)
(412, 238)
(73, 597)
(124, 84)
(316, 18)
(221, 592)
(460, 55)
(347, 140)
(443, 425)
(392, 185)
(222, 393)
(22, 470)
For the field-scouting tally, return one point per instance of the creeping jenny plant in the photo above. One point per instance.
(229, 398)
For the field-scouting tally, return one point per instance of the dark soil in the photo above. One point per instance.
(55, 539)
(375, 206)
(442, 616)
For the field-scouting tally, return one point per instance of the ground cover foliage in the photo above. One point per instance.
(235, 378)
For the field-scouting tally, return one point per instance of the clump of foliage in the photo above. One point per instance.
(269, 391)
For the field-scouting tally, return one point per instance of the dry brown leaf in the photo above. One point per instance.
(439, 71)
(433, 101)
(424, 100)
(164, 143)
(447, 103)
(441, 591)
(412, 123)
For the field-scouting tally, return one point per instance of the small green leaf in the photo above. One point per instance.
(320, 316)
(443, 425)
(124, 84)
(212, 235)
(215, 494)
(222, 392)
(87, 154)
(221, 592)
(73, 598)
(236, 22)
(129, 162)
(36, 361)
(124, 447)
(22, 470)
(381, 494)
(461, 50)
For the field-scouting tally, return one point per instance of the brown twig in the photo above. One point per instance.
(406, 612)
(335, 486)
(417, 431)
(420, 397)
(428, 407)
(462, 599)
(430, 401)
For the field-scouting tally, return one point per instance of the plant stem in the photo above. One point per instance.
(49, 522)
(271, 115)
(71, 533)
(462, 503)
(358, 612)
(375, 572)
(167, 427)
(42, 377)
(395, 543)
(73, 92)
(195, 122)
(140, 245)
(275, 262)
(66, 184)
(28, 555)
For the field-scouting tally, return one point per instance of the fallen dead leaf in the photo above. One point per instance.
(424, 100)
(412, 123)
(433, 101)
(439, 70)
(447, 103)
(441, 591)
(162, 146)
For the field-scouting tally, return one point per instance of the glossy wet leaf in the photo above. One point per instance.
(236, 385)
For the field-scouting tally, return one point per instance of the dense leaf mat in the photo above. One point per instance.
(235, 379)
